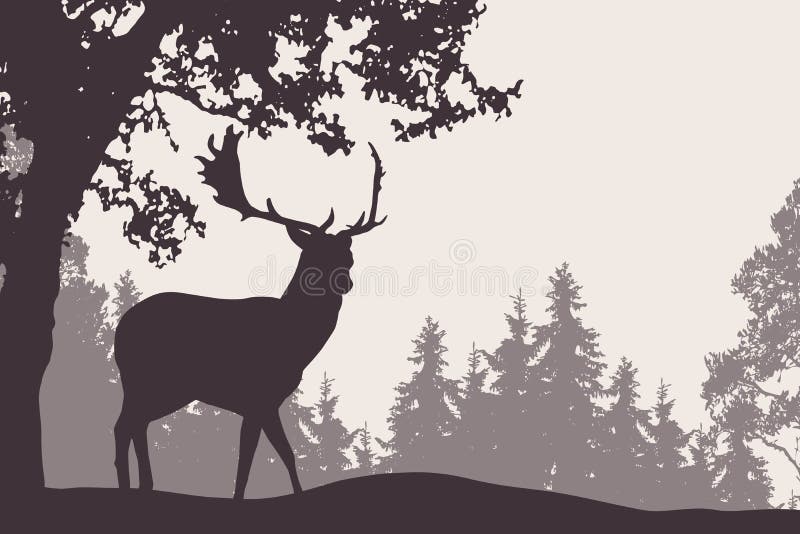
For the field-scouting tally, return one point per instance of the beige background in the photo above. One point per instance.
(652, 144)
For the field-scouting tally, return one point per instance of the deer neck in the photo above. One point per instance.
(310, 290)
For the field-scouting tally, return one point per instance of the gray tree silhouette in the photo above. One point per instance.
(769, 345)
(625, 475)
(474, 437)
(516, 435)
(700, 475)
(366, 461)
(667, 462)
(422, 414)
(742, 478)
(570, 365)
(333, 440)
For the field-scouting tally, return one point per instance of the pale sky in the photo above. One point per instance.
(651, 145)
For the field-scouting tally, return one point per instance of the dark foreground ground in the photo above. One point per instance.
(409, 502)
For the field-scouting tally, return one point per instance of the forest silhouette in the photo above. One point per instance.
(540, 409)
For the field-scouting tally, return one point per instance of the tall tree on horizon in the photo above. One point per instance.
(474, 438)
(297, 420)
(626, 473)
(333, 440)
(570, 365)
(366, 463)
(126, 294)
(668, 442)
(700, 476)
(517, 458)
(422, 415)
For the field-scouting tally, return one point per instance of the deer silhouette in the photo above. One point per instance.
(247, 355)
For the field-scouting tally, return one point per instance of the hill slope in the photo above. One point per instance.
(399, 502)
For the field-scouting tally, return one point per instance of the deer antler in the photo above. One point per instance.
(360, 226)
(223, 174)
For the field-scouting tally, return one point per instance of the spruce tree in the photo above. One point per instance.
(668, 442)
(365, 455)
(744, 482)
(332, 438)
(422, 415)
(569, 368)
(473, 438)
(625, 466)
(126, 294)
(517, 457)
(700, 475)
(297, 420)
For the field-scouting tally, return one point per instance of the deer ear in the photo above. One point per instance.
(298, 237)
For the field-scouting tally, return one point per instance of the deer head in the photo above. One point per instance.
(326, 258)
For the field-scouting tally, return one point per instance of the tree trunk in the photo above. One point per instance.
(70, 130)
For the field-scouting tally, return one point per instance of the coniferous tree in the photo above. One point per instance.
(700, 475)
(569, 368)
(297, 420)
(126, 294)
(422, 415)
(517, 455)
(365, 455)
(668, 442)
(794, 501)
(333, 440)
(743, 479)
(626, 471)
(473, 438)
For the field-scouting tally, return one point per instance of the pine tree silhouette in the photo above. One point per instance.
(365, 455)
(625, 469)
(700, 475)
(743, 479)
(517, 457)
(668, 440)
(297, 421)
(794, 501)
(474, 436)
(126, 294)
(422, 415)
(333, 439)
(569, 367)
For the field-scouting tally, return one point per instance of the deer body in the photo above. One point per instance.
(247, 355)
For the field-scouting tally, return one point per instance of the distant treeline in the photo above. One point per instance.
(539, 410)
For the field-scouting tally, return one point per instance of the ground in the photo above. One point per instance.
(408, 502)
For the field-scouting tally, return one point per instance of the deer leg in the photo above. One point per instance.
(248, 441)
(274, 430)
(122, 441)
(143, 457)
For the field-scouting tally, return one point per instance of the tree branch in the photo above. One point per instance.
(783, 450)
